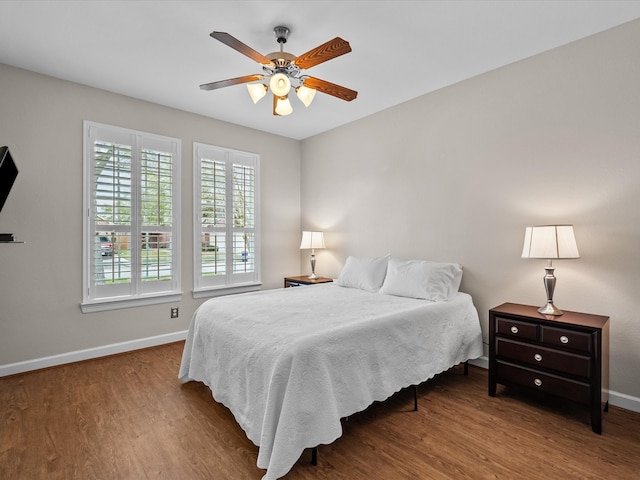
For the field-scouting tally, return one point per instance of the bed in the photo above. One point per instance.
(290, 363)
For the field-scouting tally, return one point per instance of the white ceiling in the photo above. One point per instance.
(161, 51)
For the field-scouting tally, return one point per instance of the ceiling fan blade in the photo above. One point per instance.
(240, 47)
(231, 81)
(332, 49)
(330, 88)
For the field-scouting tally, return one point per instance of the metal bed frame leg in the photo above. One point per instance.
(466, 373)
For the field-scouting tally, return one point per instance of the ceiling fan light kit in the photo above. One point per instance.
(282, 71)
(283, 106)
(305, 94)
(280, 84)
(257, 91)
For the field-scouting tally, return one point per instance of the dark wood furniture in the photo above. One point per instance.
(304, 280)
(566, 355)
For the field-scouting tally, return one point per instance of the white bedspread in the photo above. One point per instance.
(289, 363)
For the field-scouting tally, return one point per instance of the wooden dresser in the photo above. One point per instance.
(566, 355)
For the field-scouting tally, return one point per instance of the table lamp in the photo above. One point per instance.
(550, 242)
(312, 240)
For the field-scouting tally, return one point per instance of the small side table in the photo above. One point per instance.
(304, 280)
(566, 356)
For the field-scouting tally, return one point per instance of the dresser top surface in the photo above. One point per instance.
(567, 318)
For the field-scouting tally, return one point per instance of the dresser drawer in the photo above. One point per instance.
(516, 328)
(545, 382)
(561, 337)
(537, 356)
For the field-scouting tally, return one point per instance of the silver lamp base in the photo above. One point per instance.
(550, 309)
(313, 265)
(549, 286)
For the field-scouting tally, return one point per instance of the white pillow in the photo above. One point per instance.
(433, 281)
(363, 273)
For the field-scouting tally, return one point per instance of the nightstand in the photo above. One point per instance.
(304, 280)
(566, 356)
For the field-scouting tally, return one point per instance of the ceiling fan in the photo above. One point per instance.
(283, 71)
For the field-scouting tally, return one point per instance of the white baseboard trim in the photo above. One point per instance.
(482, 362)
(79, 355)
(616, 399)
(625, 401)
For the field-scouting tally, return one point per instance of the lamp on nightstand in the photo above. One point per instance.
(312, 240)
(550, 241)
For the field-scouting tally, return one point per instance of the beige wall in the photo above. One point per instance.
(40, 281)
(456, 175)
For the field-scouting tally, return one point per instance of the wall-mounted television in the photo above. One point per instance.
(8, 174)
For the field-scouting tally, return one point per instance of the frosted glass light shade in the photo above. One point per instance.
(280, 85)
(256, 91)
(305, 94)
(312, 240)
(550, 242)
(283, 106)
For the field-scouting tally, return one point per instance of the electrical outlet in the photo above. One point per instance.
(174, 312)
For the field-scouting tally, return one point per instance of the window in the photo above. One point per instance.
(226, 226)
(131, 227)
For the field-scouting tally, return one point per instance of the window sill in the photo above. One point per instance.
(115, 304)
(226, 290)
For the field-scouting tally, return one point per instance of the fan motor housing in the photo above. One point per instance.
(281, 59)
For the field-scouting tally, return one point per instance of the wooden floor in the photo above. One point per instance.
(128, 417)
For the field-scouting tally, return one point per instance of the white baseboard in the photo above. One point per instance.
(482, 362)
(615, 398)
(624, 401)
(79, 355)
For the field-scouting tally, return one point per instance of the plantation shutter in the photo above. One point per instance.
(131, 228)
(225, 203)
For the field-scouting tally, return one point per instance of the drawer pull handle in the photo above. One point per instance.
(564, 339)
(538, 382)
(514, 329)
(538, 357)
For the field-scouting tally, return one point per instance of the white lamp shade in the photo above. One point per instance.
(312, 240)
(256, 91)
(283, 106)
(550, 242)
(280, 84)
(305, 94)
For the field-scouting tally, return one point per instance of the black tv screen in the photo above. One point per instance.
(8, 174)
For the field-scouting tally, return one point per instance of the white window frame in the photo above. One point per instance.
(97, 296)
(229, 282)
